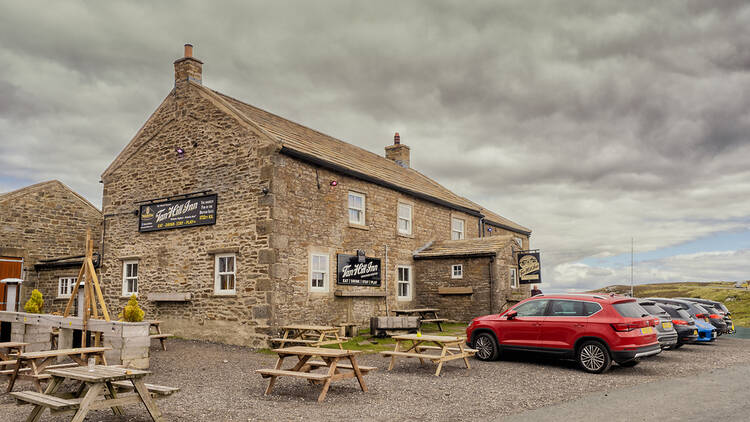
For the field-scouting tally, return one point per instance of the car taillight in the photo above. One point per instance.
(714, 316)
(679, 322)
(700, 315)
(631, 326)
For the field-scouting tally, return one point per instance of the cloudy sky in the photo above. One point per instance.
(590, 122)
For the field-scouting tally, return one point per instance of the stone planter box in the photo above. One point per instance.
(130, 341)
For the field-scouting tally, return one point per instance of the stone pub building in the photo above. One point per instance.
(227, 221)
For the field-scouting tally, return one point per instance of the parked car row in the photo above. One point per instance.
(598, 329)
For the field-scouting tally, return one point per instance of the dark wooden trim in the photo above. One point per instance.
(458, 256)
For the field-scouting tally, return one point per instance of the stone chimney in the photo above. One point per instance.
(397, 152)
(188, 68)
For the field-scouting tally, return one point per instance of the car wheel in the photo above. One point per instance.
(630, 363)
(677, 346)
(486, 347)
(593, 357)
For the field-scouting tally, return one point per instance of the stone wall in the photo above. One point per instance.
(222, 156)
(46, 221)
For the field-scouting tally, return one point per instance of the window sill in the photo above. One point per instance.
(62, 298)
(457, 278)
(404, 299)
(358, 226)
(319, 292)
(232, 294)
(410, 236)
(128, 296)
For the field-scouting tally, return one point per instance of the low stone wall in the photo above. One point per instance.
(129, 341)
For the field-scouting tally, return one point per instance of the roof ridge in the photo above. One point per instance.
(12, 194)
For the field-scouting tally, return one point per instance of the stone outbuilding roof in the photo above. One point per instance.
(41, 186)
(483, 246)
(309, 145)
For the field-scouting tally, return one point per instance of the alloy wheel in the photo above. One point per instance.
(484, 347)
(592, 357)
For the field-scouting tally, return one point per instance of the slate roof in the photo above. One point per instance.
(41, 186)
(484, 246)
(305, 143)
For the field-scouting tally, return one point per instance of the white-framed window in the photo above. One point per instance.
(404, 218)
(457, 228)
(404, 280)
(225, 274)
(519, 241)
(457, 271)
(65, 286)
(129, 278)
(319, 272)
(513, 276)
(357, 208)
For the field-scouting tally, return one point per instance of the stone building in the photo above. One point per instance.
(228, 221)
(42, 237)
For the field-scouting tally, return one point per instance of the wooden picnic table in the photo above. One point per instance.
(14, 348)
(450, 348)
(102, 386)
(32, 365)
(425, 314)
(304, 366)
(309, 335)
(156, 324)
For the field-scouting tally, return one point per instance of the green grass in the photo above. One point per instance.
(383, 344)
(736, 300)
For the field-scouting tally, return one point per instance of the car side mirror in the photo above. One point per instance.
(511, 314)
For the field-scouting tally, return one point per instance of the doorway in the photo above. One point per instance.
(10, 267)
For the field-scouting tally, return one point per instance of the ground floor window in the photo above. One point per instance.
(404, 282)
(319, 273)
(457, 271)
(513, 276)
(225, 274)
(65, 286)
(129, 278)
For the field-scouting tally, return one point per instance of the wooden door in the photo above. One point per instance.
(9, 268)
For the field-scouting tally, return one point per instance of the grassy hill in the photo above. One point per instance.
(736, 300)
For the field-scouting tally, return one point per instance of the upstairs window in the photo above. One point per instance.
(129, 278)
(519, 241)
(65, 286)
(404, 218)
(225, 274)
(457, 228)
(319, 273)
(457, 271)
(513, 278)
(356, 208)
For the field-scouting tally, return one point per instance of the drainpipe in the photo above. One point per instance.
(492, 292)
(481, 226)
(386, 281)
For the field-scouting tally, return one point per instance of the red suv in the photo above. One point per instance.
(592, 329)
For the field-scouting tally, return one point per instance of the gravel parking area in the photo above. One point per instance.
(219, 384)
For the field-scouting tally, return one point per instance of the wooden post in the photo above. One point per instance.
(93, 292)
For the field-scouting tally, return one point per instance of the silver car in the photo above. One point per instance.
(665, 331)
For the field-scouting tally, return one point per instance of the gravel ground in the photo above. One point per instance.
(219, 384)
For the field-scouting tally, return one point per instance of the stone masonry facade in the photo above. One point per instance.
(46, 221)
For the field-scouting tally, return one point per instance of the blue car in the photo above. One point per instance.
(706, 331)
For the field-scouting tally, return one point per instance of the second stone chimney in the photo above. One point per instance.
(188, 68)
(397, 152)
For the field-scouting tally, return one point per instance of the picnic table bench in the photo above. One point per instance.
(309, 335)
(304, 366)
(34, 365)
(155, 324)
(101, 387)
(14, 348)
(450, 348)
(426, 315)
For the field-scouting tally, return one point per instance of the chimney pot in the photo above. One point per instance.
(188, 68)
(188, 50)
(398, 152)
(396, 139)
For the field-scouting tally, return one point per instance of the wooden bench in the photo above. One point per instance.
(161, 338)
(265, 373)
(53, 402)
(363, 369)
(293, 340)
(411, 355)
(450, 349)
(58, 366)
(160, 390)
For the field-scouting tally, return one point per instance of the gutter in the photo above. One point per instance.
(454, 256)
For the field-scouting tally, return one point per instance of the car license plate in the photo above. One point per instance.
(647, 330)
(695, 332)
(666, 325)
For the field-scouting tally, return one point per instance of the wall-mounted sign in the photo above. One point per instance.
(529, 269)
(352, 272)
(177, 214)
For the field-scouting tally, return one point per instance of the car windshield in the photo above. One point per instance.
(653, 309)
(630, 309)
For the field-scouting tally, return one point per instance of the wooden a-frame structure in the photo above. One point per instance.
(92, 291)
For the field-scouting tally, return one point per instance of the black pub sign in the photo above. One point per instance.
(353, 271)
(529, 268)
(177, 214)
